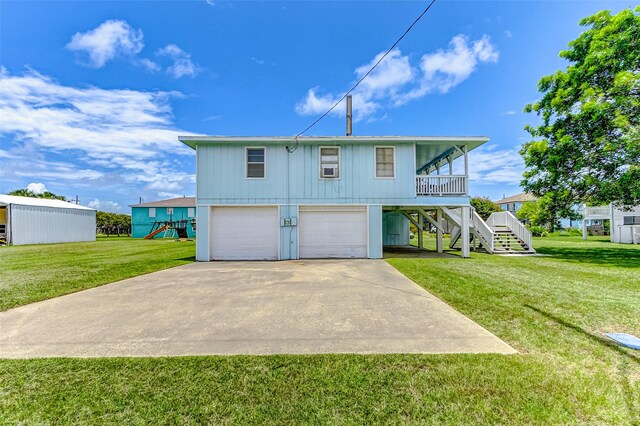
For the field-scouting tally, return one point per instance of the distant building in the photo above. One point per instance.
(514, 203)
(624, 226)
(28, 220)
(144, 215)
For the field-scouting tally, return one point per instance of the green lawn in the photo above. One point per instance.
(37, 272)
(552, 308)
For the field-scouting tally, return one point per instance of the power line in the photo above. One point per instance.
(295, 146)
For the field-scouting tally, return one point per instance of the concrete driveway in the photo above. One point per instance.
(297, 307)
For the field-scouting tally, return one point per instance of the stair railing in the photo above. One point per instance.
(510, 221)
(483, 230)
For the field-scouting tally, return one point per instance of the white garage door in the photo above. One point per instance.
(336, 231)
(244, 233)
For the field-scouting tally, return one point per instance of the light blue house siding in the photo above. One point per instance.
(292, 181)
(142, 222)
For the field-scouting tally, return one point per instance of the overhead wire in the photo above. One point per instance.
(310, 126)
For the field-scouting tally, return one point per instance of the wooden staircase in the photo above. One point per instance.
(505, 241)
(502, 233)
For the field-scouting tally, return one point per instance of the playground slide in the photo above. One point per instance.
(156, 232)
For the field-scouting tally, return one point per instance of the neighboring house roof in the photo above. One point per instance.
(518, 198)
(39, 202)
(172, 202)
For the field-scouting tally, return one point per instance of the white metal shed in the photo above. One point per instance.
(27, 220)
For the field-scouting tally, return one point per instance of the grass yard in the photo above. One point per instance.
(37, 272)
(552, 308)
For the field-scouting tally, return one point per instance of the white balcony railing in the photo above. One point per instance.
(441, 185)
(600, 212)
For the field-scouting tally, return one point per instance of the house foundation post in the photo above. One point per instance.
(466, 213)
(420, 232)
(439, 230)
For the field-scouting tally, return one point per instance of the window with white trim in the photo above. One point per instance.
(631, 220)
(255, 163)
(329, 162)
(169, 210)
(385, 162)
(191, 212)
(152, 212)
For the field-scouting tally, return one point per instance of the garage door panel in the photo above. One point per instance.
(339, 231)
(245, 233)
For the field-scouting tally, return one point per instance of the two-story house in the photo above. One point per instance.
(271, 198)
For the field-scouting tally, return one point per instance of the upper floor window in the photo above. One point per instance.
(631, 220)
(152, 212)
(385, 162)
(330, 162)
(255, 162)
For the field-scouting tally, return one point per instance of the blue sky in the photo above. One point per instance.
(94, 94)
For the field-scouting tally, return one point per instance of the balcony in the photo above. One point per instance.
(441, 185)
(599, 212)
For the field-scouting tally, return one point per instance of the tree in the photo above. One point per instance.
(587, 148)
(113, 223)
(29, 193)
(484, 206)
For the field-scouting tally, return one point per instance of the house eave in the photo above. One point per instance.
(471, 141)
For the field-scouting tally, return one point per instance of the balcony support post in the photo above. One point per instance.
(464, 229)
(584, 224)
(466, 169)
(420, 232)
(439, 230)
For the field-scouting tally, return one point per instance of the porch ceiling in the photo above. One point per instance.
(433, 152)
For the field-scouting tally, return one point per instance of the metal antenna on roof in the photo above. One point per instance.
(349, 116)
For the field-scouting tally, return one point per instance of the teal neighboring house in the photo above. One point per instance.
(144, 215)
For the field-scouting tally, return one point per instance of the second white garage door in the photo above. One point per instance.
(333, 231)
(244, 233)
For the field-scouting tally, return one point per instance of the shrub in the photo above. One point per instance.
(538, 231)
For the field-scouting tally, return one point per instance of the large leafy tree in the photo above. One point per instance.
(587, 147)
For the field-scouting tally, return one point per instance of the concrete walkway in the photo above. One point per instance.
(297, 307)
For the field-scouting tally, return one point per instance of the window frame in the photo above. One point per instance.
(320, 148)
(246, 162)
(375, 162)
(635, 220)
(152, 210)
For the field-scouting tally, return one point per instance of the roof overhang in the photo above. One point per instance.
(448, 141)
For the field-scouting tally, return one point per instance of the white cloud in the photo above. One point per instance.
(259, 61)
(211, 2)
(105, 206)
(37, 188)
(170, 195)
(109, 40)
(113, 138)
(395, 81)
(492, 165)
(182, 63)
(509, 113)
(508, 34)
(149, 65)
(213, 117)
